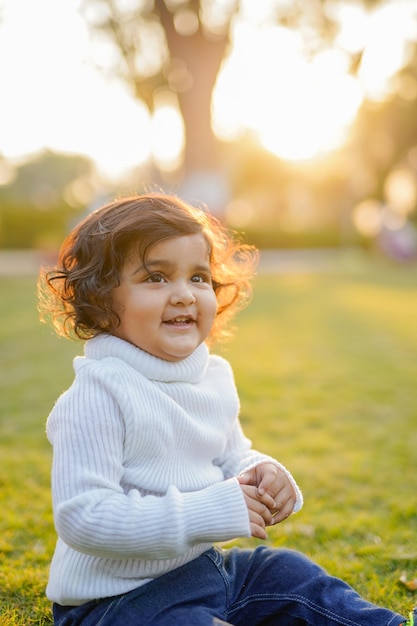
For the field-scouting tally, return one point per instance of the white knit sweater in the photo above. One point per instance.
(146, 454)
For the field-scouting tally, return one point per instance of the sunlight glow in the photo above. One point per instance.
(296, 107)
(354, 25)
(383, 35)
(300, 107)
(381, 61)
(63, 103)
(305, 131)
(167, 136)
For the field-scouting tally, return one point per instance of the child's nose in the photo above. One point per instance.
(182, 294)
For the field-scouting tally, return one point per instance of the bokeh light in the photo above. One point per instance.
(400, 190)
(367, 217)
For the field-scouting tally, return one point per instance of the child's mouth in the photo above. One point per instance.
(180, 320)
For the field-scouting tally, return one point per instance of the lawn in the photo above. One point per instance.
(326, 366)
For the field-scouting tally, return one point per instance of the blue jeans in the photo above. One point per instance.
(242, 587)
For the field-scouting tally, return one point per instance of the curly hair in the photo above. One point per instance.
(76, 295)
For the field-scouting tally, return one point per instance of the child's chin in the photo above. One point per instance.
(181, 353)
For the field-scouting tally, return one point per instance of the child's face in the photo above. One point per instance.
(168, 307)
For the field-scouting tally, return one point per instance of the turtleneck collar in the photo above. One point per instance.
(190, 369)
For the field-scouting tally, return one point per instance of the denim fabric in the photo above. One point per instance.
(264, 586)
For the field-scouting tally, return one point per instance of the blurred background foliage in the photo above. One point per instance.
(361, 192)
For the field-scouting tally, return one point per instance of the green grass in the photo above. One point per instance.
(36, 366)
(326, 368)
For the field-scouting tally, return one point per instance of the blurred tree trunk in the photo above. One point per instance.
(202, 58)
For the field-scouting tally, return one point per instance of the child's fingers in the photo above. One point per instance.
(282, 511)
(258, 531)
(267, 500)
(247, 478)
(259, 511)
(257, 525)
(272, 479)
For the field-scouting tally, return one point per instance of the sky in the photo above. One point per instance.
(53, 97)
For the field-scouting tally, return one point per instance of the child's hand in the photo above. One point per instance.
(270, 479)
(259, 506)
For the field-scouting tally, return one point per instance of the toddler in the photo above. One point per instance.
(151, 468)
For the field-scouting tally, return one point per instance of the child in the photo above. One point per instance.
(151, 467)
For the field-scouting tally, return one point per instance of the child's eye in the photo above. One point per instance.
(201, 278)
(156, 277)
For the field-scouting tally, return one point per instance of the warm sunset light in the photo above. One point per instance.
(167, 133)
(294, 106)
(297, 107)
(53, 97)
(401, 191)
